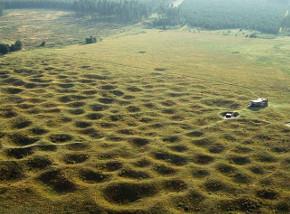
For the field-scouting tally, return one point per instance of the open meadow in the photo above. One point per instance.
(56, 28)
(133, 124)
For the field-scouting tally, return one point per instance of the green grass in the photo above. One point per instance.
(133, 126)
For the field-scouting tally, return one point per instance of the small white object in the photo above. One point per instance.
(230, 115)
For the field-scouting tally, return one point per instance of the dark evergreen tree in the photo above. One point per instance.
(121, 11)
(42, 44)
(4, 49)
(17, 46)
(91, 40)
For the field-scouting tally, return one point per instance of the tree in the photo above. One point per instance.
(17, 46)
(42, 44)
(91, 40)
(4, 49)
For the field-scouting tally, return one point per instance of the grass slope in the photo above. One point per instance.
(132, 125)
(57, 28)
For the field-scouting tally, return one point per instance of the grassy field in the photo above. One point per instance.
(132, 125)
(57, 28)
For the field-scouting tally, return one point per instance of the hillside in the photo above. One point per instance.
(56, 28)
(267, 16)
(132, 125)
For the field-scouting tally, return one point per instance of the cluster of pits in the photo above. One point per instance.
(131, 140)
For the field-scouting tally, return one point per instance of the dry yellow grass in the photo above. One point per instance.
(132, 125)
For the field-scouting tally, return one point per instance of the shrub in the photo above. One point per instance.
(42, 44)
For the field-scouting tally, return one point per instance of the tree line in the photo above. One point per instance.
(1, 9)
(111, 10)
(123, 11)
(261, 15)
(38, 4)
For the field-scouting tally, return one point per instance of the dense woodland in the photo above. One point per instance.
(261, 15)
(110, 10)
(267, 16)
(124, 11)
(285, 27)
(1, 9)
